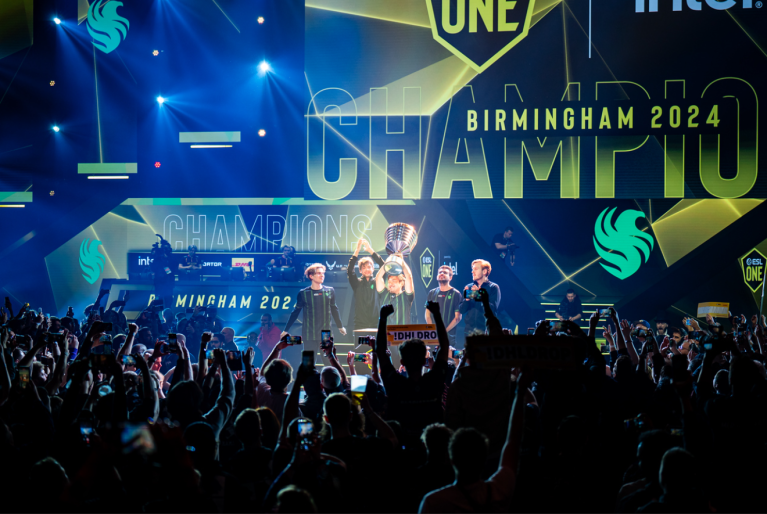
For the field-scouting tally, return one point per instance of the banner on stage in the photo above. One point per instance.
(398, 334)
(505, 352)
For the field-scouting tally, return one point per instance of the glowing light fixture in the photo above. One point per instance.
(262, 132)
(264, 68)
(160, 100)
(53, 83)
(57, 21)
(155, 52)
(157, 164)
(260, 20)
(56, 128)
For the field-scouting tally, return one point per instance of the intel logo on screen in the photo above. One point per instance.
(695, 5)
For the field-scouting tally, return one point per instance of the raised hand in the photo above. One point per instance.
(249, 354)
(350, 359)
(388, 309)
(433, 308)
(132, 328)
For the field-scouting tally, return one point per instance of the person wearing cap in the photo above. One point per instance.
(661, 327)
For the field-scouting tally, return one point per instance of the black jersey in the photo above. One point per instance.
(402, 304)
(319, 305)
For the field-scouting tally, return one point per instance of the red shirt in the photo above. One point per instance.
(268, 339)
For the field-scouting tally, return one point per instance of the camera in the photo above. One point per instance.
(639, 332)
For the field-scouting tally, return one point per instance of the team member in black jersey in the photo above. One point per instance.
(318, 303)
(449, 299)
(399, 292)
(473, 311)
(365, 312)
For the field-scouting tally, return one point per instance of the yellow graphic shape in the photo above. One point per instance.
(690, 223)
(406, 12)
(480, 67)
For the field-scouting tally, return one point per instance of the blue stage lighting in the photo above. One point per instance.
(57, 21)
(160, 100)
(56, 128)
(264, 68)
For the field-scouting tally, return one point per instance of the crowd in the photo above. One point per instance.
(667, 422)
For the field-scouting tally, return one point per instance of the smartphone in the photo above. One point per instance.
(366, 340)
(86, 429)
(556, 325)
(639, 332)
(172, 343)
(106, 339)
(708, 346)
(458, 354)
(530, 331)
(129, 360)
(360, 357)
(293, 340)
(24, 377)
(209, 355)
(688, 322)
(650, 347)
(234, 360)
(468, 294)
(604, 312)
(359, 384)
(305, 431)
(307, 359)
(325, 336)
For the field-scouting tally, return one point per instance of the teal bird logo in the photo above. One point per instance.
(622, 244)
(106, 27)
(91, 260)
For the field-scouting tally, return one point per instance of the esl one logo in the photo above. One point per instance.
(427, 267)
(753, 268)
(695, 5)
(479, 32)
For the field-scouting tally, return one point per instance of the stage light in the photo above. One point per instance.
(53, 193)
(157, 164)
(264, 68)
(155, 53)
(160, 100)
(57, 21)
(262, 132)
(56, 128)
(260, 20)
(53, 83)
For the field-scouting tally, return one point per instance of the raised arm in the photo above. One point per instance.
(59, 370)
(202, 361)
(510, 452)
(127, 348)
(291, 411)
(380, 284)
(151, 395)
(444, 342)
(281, 345)
(218, 415)
(331, 355)
(381, 341)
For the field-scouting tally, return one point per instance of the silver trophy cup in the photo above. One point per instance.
(400, 238)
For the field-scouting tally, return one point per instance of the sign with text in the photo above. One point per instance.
(753, 264)
(398, 334)
(716, 309)
(505, 352)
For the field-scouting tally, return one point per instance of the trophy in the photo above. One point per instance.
(400, 239)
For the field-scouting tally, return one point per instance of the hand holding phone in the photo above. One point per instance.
(307, 359)
(173, 346)
(293, 340)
